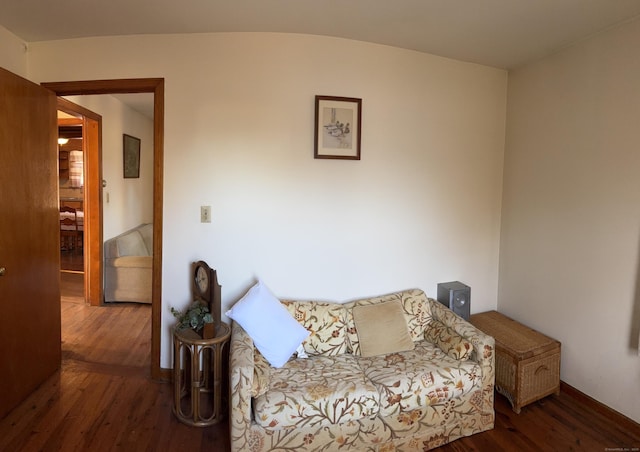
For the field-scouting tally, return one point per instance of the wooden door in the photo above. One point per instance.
(29, 239)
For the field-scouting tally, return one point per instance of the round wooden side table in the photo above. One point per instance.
(198, 377)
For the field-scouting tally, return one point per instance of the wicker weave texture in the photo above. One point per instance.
(539, 377)
(527, 362)
(514, 336)
(505, 373)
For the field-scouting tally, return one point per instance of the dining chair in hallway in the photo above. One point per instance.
(69, 234)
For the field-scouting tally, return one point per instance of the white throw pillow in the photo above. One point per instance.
(274, 331)
(301, 353)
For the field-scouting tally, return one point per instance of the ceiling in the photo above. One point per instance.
(498, 33)
(140, 102)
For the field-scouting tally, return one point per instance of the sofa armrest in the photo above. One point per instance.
(241, 369)
(483, 344)
(483, 348)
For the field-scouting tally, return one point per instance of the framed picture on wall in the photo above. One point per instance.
(337, 128)
(131, 156)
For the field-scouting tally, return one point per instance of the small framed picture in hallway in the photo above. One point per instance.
(131, 156)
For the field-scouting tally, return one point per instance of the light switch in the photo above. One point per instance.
(205, 214)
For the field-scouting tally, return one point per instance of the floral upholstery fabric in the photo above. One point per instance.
(327, 324)
(316, 391)
(412, 379)
(416, 312)
(261, 374)
(448, 340)
(405, 429)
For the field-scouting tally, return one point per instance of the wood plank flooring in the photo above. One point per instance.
(103, 399)
(555, 423)
(72, 260)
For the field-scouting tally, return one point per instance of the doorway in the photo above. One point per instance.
(71, 192)
(94, 240)
(86, 200)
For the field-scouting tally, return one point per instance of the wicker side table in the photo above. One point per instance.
(527, 361)
(198, 376)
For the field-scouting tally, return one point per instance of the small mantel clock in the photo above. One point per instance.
(207, 289)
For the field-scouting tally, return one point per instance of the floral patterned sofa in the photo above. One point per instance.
(337, 399)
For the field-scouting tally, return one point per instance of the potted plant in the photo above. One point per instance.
(196, 317)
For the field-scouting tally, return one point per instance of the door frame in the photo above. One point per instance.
(128, 86)
(92, 233)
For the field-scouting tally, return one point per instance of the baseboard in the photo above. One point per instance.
(599, 407)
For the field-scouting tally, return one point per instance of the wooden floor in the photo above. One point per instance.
(555, 424)
(103, 399)
(72, 260)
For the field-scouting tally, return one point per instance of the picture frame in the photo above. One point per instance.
(130, 156)
(338, 125)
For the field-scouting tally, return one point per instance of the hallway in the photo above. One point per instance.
(72, 260)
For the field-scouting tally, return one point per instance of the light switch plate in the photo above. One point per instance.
(205, 214)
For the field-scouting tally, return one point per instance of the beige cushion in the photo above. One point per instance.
(131, 262)
(417, 314)
(128, 263)
(382, 329)
(146, 232)
(131, 244)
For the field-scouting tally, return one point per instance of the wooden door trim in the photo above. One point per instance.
(144, 85)
(92, 147)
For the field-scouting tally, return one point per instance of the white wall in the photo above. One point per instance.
(571, 211)
(13, 53)
(421, 207)
(127, 202)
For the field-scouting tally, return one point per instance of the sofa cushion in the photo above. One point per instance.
(416, 312)
(273, 330)
(326, 323)
(316, 392)
(382, 328)
(146, 232)
(450, 342)
(422, 376)
(130, 262)
(131, 244)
